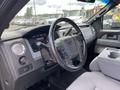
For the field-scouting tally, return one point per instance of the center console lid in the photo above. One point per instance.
(108, 62)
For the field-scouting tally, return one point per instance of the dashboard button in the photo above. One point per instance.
(22, 60)
(25, 69)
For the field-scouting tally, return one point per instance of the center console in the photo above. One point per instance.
(108, 62)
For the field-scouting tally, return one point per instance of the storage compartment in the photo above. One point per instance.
(108, 62)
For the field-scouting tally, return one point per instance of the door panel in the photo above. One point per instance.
(107, 40)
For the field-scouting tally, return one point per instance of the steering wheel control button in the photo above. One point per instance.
(22, 60)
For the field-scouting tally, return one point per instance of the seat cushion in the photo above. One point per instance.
(94, 81)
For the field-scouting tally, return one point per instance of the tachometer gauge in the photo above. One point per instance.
(18, 49)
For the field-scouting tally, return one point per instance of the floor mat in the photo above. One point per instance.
(61, 82)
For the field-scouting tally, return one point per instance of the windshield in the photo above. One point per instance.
(43, 12)
(112, 19)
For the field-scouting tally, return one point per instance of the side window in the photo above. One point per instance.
(111, 20)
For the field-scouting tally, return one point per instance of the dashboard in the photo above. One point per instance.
(37, 60)
(37, 39)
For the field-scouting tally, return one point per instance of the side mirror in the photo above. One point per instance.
(89, 1)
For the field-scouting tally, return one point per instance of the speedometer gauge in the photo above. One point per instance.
(18, 49)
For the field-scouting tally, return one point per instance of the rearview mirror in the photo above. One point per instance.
(89, 1)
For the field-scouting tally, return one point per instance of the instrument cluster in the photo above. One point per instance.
(36, 40)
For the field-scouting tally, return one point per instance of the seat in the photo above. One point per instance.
(105, 75)
(94, 81)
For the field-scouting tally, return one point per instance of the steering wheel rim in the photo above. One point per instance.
(55, 51)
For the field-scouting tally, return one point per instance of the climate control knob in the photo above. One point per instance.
(22, 60)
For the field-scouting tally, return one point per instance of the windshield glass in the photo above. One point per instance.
(43, 12)
(112, 19)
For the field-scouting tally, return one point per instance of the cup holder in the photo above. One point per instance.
(114, 55)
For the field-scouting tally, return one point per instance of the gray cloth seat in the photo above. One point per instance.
(94, 81)
(105, 75)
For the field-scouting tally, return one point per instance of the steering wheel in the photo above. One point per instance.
(69, 49)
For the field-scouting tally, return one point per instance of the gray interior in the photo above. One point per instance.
(35, 67)
(102, 75)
